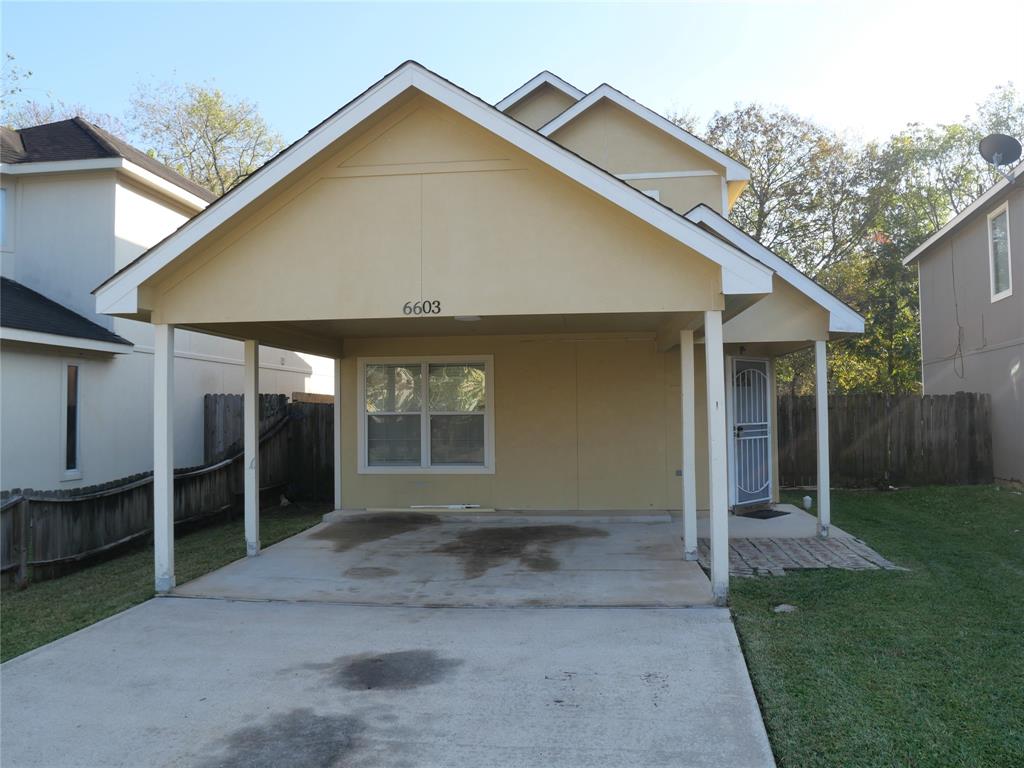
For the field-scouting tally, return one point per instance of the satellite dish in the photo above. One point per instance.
(999, 149)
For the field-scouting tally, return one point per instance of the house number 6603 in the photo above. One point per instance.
(424, 307)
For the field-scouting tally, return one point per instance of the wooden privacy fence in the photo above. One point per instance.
(309, 444)
(46, 534)
(881, 440)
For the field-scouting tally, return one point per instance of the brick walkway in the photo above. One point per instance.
(759, 557)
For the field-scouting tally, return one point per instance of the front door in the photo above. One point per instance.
(751, 454)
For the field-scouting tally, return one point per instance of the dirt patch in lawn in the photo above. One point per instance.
(480, 549)
(299, 737)
(401, 670)
(362, 529)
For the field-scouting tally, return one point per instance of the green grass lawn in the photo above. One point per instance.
(51, 609)
(880, 668)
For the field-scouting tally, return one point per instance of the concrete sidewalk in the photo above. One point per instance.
(212, 682)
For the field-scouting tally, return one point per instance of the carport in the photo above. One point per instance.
(515, 332)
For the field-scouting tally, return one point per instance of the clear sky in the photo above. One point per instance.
(862, 67)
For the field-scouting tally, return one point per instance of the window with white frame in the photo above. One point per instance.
(426, 415)
(999, 252)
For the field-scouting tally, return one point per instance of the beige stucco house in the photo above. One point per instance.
(539, 304)
(972, 314)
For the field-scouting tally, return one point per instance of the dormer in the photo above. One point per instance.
(648, 151)
(540, 100)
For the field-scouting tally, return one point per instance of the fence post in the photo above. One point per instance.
(25, 535)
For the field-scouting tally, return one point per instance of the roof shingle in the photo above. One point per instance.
(78, 139)
(27, 310)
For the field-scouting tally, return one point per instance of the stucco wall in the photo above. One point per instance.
(63, 236)
(427, 205)
(580, 422)
(115, 412)
(955, 285)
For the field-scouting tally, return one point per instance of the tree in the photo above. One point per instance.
(197, 130)
(806, 196)
(12, 77)
(32, 112)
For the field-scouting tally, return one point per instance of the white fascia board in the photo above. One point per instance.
(127, 167)
(745, 274)
(71, 342)
(168, 188)
(965, 214)
(60, 166)
(544, 78)
(734, 171)
(842, 319)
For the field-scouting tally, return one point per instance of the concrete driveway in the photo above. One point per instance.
(221, 682)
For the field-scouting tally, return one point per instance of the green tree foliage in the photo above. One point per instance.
(847, 214)
(197, 130)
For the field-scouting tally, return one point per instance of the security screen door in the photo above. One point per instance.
(752, 470)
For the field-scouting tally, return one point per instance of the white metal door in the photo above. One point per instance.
(752, 461)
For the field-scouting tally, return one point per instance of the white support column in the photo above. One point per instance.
(163, 457)
(337, 433)
(718, 473)
(821, 408)
(689, 450)
(251, 417)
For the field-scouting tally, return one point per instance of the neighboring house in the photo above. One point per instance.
(972, 313)
(78, 203)
(535, 305)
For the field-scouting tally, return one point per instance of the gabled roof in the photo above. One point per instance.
(741, 274)
(842, 318)
(531, 85)
(734, 171)
(78, 139)
(23, 309)
(994, 191)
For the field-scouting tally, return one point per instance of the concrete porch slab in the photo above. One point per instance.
(796, 524)
(421, 559)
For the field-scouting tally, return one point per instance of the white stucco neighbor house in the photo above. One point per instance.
(77, 203)
(538, 304)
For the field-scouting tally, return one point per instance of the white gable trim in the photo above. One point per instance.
(734, 171)
(544, 78)
(842, 319)
(966, 213)
(740, 272)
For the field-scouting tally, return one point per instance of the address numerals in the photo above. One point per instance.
(424, 307)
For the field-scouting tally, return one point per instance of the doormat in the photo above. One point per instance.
(762, 513)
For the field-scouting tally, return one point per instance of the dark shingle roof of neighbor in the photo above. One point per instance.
(78, 139)
(27, 310)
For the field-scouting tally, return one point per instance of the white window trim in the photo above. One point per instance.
(76, 473)
(447, 469)
(1004, 208)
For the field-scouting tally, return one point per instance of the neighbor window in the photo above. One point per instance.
(71, 468)
(999, 252)
(425, 414)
